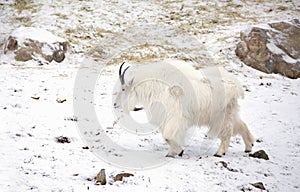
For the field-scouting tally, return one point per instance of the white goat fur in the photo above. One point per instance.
(176, 97)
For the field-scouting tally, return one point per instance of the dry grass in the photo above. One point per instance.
(74, 35)
(22, 5)
(143, 52)
(26, 21)
(200, 17)
(61, 16)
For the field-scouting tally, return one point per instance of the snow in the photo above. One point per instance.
(289, 59)
(31, 118)
(274, 49)
(139, 116)
(40, 35)
(297, 4)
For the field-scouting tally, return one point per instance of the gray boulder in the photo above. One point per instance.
(26, 43)
(272, 48)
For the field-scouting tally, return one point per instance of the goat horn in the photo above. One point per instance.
(121, 75)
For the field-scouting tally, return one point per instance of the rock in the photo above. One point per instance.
(28, 43)
(101, 177)
(62, 139)
(273, 48)
(23, 54)
(120, 176)
(259, 185)
(261, 154)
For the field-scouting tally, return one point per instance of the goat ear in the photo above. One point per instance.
(176, 90)
(130, 82)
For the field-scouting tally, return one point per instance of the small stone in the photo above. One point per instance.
(89, 179)
(261, 154)
(120, 176)
(12, 44)
(101, 177)
(223, 163)
(62, 139)
(58, 56)
(258, 185)
(61, 100)
(245, 188)
(35, 97)
(74, 118)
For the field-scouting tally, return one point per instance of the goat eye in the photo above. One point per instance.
(123, 89)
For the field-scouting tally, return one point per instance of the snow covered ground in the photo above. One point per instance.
(108, 32)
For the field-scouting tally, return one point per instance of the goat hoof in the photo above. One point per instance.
(181, 153)
(170, 156)
(217, 155)
(247, 151)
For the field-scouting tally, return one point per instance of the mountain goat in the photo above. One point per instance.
(176, 97)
